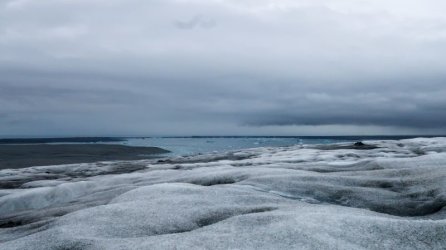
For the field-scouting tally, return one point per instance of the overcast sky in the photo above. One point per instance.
(222, 67)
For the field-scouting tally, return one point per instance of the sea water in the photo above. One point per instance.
(193, 145)
(209, 144)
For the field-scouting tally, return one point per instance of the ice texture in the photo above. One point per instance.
(302, 197)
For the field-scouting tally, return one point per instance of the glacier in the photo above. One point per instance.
(391, 196)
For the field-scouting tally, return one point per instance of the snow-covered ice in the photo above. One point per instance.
(301, 197)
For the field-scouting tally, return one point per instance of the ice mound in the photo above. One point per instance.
(390, 196)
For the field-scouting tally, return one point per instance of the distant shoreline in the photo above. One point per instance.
(29, 155)
(69, 140)
(60, 140)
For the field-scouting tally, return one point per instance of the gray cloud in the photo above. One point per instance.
(195, 22)
(269, 67)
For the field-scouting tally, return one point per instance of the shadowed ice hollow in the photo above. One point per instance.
(391, 196)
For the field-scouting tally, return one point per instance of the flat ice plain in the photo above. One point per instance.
(301, 197)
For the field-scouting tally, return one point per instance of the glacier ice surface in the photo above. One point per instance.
(300, 197)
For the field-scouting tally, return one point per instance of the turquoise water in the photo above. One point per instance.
(202, 145)
(190, 146)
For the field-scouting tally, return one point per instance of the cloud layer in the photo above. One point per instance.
(221, 67)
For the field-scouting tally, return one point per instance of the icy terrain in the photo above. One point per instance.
(302, 197)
